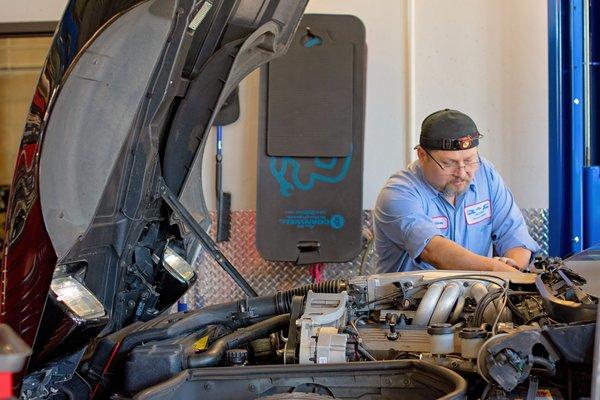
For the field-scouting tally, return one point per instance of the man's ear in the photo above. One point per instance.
(421, 154)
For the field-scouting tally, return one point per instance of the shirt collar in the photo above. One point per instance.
(433, 192)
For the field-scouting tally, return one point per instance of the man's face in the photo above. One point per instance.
(453, 171)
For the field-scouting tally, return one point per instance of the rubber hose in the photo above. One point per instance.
(363, 352)
(284, 299)
(549, 365)
(214, 354)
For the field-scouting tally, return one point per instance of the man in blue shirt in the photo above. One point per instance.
(449, 209)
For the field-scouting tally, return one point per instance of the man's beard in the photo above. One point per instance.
(451, 190)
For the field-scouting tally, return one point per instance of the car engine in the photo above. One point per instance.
(421, 334)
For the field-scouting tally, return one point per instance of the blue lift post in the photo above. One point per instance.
(591, 171)
(573, 142)
(577, 99)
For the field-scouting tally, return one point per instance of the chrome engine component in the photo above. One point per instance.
(446, 303)
(325, 314)
(428, 304)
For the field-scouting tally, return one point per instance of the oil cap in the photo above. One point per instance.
(440, 329)
(472, 333)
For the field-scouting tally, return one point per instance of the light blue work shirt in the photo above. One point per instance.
(409, 212)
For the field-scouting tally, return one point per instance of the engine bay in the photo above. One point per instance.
(421, 334)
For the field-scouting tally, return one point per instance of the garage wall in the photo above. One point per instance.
(489, 60)
(486, 58)
(31, 10)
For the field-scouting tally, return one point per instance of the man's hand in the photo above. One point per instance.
(505, 264)
(520, 255)
(513, 264)
(509, 261)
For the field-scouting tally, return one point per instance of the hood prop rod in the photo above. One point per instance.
(207, 242)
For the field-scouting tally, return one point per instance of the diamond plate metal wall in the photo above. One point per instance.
(215, 286)
(538, 226)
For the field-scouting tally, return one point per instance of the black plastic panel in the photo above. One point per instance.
(309, 207)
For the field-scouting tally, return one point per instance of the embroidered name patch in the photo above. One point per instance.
(440, 222)
(478, 212)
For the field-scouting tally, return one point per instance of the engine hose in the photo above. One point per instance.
(515, 310)
(363, 352)
(284, 299)
(483, 304)
(547, 364)
(242, 336)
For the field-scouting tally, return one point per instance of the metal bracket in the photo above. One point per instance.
(204, 238)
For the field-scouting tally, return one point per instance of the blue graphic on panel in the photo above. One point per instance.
(310, 219)
(288, 163)
(337, 221)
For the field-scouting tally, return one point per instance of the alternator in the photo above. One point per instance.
(320, 341)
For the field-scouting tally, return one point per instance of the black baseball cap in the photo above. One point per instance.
(449, 130)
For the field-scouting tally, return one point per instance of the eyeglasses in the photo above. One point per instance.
(454, 167)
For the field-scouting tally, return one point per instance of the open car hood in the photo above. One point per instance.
(119, 118)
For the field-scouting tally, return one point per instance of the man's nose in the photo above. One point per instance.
(461, 171)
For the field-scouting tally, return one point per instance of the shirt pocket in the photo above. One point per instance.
(479, 237)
